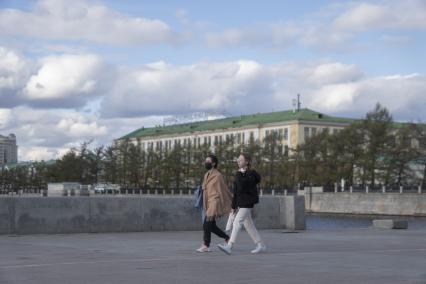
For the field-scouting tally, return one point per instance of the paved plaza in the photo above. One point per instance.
(312, 256)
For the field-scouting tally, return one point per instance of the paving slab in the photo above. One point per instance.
(312, 256)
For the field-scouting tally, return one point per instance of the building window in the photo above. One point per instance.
(280, 134)
(266, 132)
(243, 137)
(314, 131)
(239, 138)
(251, 136)
(209, 141)
(285, 133)
(335, 131)
(306, 132)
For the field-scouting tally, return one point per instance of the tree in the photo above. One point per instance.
(401, 155)
(377, 138)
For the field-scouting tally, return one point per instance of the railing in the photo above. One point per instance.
(135, 192)
(376, 189)
(23, 192)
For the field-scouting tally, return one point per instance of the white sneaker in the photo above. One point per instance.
(260, 247)
(226, 248)
(203, 248)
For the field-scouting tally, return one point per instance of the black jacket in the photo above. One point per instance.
(245, 189)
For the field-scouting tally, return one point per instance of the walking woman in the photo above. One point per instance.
(244, 199)
(217, 200)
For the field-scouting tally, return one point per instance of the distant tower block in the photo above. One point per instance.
(8, 149)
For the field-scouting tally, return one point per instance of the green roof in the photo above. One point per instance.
(236, 122)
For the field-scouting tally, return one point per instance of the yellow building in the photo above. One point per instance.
(293, 127)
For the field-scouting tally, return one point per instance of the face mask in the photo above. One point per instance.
(208, 166)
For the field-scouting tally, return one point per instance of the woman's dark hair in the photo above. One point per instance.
(247, 158)
(214, 159)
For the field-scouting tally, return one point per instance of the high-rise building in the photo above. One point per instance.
(8, 150)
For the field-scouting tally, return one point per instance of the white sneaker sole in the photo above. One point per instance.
(263, 250)
(202, 251)
(224, 250)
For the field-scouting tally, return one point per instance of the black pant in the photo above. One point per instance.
(211, 227)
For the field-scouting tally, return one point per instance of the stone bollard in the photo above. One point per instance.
(292, 212)
(148, 191)
(335, 188)
(164, 192)
(261, 192)
(351, 189)
(420, 189)
(173, 192)
(189, 192)
(400, 189)
(285, 192)
(156, 192)
(366, 189)
(180, 192)
(383, 189)
(390, 224)
(273, 192)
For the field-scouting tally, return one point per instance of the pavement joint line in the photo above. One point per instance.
(198, 257)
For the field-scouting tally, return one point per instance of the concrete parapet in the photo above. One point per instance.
(407, 204)
(58, 215)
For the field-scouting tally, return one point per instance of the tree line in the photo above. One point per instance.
(371, 151)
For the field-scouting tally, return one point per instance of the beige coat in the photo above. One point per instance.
(217, 199)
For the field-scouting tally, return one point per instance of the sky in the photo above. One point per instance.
(75, 71)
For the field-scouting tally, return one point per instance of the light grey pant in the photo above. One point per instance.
(243, 218)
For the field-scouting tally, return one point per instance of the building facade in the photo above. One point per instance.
(8, 149)
(293, 127)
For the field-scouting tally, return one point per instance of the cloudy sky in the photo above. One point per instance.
(72, 71)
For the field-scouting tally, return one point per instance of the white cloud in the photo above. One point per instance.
(65, 76)
(167, 89)
(332, 73)
(48, 134)
(247, 86)
(37, 153)
(65, 81)
(332, 27)
(5, 117)
(81, 127)
(84, 20)
(14, 71)
(273, 35)
(409, 14)
(403, 95)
